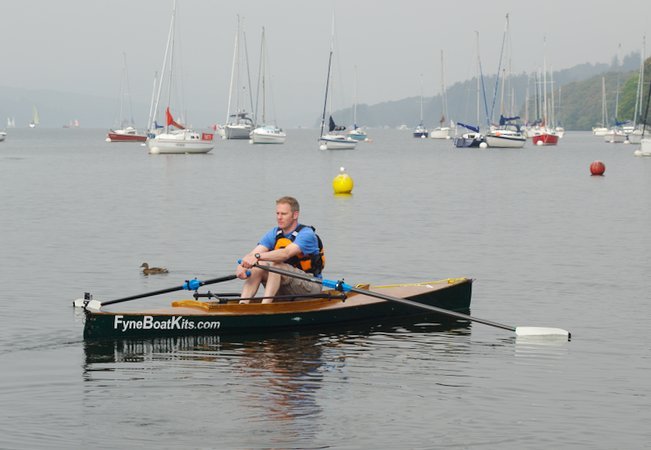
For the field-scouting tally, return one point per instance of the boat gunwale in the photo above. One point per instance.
(297, 305)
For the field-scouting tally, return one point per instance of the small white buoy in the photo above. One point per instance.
(483, 145)
(540, 142)
(323, 147)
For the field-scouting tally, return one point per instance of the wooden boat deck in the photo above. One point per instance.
(232, 307)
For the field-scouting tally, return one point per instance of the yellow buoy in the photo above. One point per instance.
(342, 184)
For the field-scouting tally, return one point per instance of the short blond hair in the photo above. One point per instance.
(291, 201)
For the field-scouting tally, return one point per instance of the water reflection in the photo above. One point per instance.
(271, 382)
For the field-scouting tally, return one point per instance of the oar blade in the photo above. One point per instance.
(94, 305)
(542, 332)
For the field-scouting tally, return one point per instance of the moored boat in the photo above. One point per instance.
(227, 316)
(545, 137)
(180, 142)
(268, 134)
(128, 134)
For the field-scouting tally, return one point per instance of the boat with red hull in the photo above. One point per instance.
(545, 139)
(126, 135)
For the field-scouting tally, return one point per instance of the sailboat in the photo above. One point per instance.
(471, 138)
(645, 142)
(356, 133)
(11, 122)
(333, 139)
(36, 120)
(238, 124)
(546, 132)
(266, 133)
(126, 132)
(442, 131)
(508, 133)
(602, 129)
(420, 131)
(175, 138)
(634, 133)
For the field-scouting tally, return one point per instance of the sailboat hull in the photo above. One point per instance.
(505, 141)
(545, 139)
(267, 136)
(440, 133)
(114, 136)
(182, 142)
(237, 131)
(331, 142)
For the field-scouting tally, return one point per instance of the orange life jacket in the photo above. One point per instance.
(313, 264)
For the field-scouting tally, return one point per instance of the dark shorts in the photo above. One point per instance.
(296, 286)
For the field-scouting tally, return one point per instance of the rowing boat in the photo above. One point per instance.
(225, 315)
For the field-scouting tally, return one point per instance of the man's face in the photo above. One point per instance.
(284, 215)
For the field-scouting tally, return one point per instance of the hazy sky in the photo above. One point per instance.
(77, 45)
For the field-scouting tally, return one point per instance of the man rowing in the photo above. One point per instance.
(290, 246)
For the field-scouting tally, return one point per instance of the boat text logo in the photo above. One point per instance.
(173, 323)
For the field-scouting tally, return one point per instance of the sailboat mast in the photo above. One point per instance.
(421, 98)
(604, 110)
(640, 83)
(544, 82)
(171, 66)
(167, 51)
(150, 122)
(444, 95)
(332, 46)
(355, 100)
(230, 88)
(325, 101)
(619, 49)
(248, 73)
(264, 80)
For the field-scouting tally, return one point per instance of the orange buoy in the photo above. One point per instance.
(597, 168)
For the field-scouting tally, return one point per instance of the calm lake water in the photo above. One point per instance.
(547, 245)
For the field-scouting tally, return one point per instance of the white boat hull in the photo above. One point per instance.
(264, 136)
(440, 133)
(336, 142)
(179, 143)
(614, 137)
(237, 131)
(645, 148)
(3, 135)
(505, 141)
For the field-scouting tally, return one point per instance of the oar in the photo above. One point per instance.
(344, 287)
(190, 285)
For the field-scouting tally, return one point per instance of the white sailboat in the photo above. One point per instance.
(508, 133)
(266, 133)
(420, 131)
(175, 138)
(334, 139)
(645, 141)
(601, 129)
(36, 120)
(356, 133)
(442, 131)
(238, 124)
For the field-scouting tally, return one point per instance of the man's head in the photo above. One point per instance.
(287, 209)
